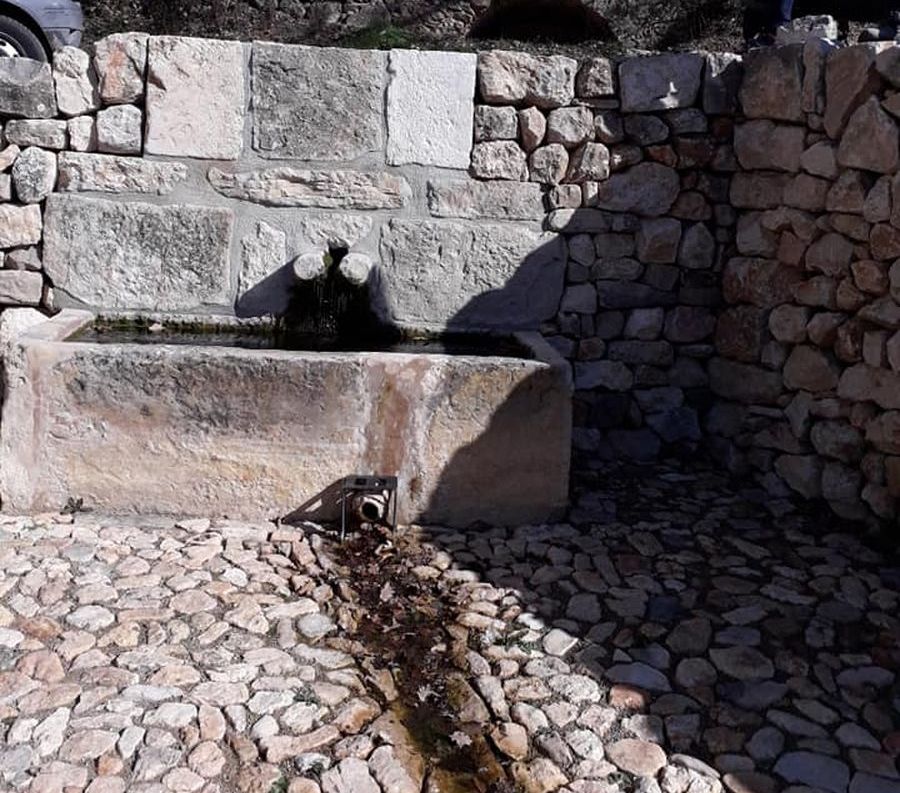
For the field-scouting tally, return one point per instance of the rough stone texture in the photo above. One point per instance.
(722, 77)
(26, 89)
(871, 141)
(76, 82)
(452, 406)
(850, 79)
(519, 78)
(120, 61)
(647, 189)
(20, 226)
(82, 133)
(108, 174)
(448, 274)
(496, 123)
(660, 82)
(34, 175)
(317, 104)
(134, 255)
(596, 78)
(764, 145)
(773, 83)
(294, 187)
(429, 108)
(195, 98)
(49, 134)
(119, 130)
(499, 160)
(19, 288)
(496, 200)
(263, 255)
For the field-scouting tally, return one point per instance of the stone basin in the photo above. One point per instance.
(250, 433)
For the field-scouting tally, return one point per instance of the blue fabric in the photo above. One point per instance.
(783, 10)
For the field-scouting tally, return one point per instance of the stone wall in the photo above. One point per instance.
(610, 205)
(808, 346)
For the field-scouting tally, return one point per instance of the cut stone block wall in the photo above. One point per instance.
(711, 243)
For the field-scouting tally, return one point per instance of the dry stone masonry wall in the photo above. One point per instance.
(710, 242)
(808, 363)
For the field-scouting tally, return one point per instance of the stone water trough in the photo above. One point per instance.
(248, 433)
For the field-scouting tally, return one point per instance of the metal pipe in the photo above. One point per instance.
(371, 507)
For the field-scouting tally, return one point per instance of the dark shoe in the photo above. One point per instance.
(760, 40)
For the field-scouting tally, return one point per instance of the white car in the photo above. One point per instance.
(34, 28)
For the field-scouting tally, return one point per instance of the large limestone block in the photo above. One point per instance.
(518, 78)
(195, 98)
(137, 255)
(312, 103)
(263, 255)
(19, 226)
(450, 274)
(871, 141)
(648, 189)
(295, 187)
(120, 61)
(105, 173)
(773, 83)
(660, 82)
(430, 107)
(26, 89)
(850, 79)
(495, 200)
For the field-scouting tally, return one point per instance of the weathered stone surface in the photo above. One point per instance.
(761, 282)
(570, 126)
(48, 134)
(317, 104)
(640, 758)
(294, 187)
(549, 164)
(884, 242)
(758, 190)
(532, 128)
(263, 254)
(820, 159)
(773, 83)
(850, 79)
(20, 226)
(134, 255)
(119, 130)
(429, 108)
(596, 79)
(740, 333)
(195, 98)
(815, 770)
(698, 248)
(871, 141)
(20, 288)
(26, 89)
(589, 163)
(34, 175)
(658, 239)
(830, 254)
(496, 123)
(437, 274)
(647, 189)
(120, 61)
(109, 174)
(502, 159)
(519, 78)
(787, 323)
(762, 144)
(660, 82)
(809, 369)
(76, 82)
(451, 400)
(722, 78)
(744, 383)
(862, 383)
(803, 473)
(82, 133)
(493, 200)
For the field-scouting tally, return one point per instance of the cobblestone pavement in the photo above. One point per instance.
(676, 636)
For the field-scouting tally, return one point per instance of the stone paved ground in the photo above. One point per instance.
(678, 636)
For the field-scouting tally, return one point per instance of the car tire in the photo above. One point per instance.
(19, 38)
